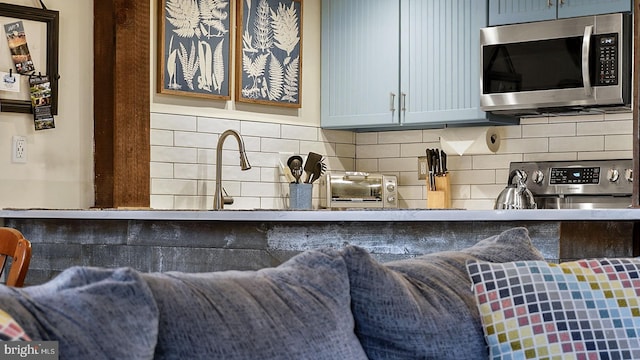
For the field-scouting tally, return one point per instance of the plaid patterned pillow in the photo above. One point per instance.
(10, 330)
(588, 309)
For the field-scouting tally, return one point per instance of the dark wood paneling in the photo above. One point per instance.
(121, 103)
(596, 239)
(635, 200)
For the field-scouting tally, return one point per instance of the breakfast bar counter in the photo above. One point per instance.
(199, 241)
(364, 215)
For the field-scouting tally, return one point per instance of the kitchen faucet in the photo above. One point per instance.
(218, 202)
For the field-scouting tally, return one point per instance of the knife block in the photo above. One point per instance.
(440, 198)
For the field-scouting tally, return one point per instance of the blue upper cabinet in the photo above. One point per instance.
(519, 11)
(573, 8)
(390, 64)
(439, 54)
(360, 63)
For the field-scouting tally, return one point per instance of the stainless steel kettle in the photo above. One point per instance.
(516, 195)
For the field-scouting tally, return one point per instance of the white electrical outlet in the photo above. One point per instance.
(19, 149)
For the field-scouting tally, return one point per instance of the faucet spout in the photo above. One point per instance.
(218, 202)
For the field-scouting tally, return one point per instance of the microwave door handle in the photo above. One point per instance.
(586, 46)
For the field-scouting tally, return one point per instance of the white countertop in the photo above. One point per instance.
(329, 215)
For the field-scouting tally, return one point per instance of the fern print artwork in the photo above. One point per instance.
(269, 50)
(195, 48)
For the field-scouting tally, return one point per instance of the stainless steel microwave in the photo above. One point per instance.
(557, 65)
(358, 190)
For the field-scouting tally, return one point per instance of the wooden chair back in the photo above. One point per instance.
(16, 247)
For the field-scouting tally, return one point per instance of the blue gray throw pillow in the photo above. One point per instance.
(423, 308)
(93, 313)
(298, 310)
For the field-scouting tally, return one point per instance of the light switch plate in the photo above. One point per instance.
(423, 169)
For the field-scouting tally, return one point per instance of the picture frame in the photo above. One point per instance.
(269, 52)
(187, 44)
(42, 28)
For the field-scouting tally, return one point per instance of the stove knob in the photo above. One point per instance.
(613, 175)
(391, 187)
(628, 175)
(391, 199)
(538, 177)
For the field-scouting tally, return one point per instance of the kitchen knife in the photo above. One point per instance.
(443, 156)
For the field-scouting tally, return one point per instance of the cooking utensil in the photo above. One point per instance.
(295, 164)
(317, 171)
(286, 171)
(516, 195)
(310, 165)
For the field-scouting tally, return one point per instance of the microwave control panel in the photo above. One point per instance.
(606, 46)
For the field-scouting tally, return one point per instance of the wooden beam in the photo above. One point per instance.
(122, 103)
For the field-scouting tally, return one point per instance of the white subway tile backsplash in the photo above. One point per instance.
(162, 202)
(183, 157)
(577, 143)
(396, 164)
(280, 145)
(261, 129)
(173, 187)
(217, 126)
(547, 130)
(618, 142)
(345, 150)
(161, 137)
(261, 189)
(299, 132)
(378, 151)
(337, 136)
(524, 146)
(498, 161)
(172, 122)
(161, 170)
(400, 137)
(195, 139)
(173, 154)
(607, 127)
(366, 138)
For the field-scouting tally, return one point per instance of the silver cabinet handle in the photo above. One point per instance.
(549, 3)
(561, 2)
(586, 45)
(392, 106)
(404, 102)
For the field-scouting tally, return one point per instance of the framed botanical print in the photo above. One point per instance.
(194, 48)
(269, 52)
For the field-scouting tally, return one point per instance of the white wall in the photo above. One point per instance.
(59, 168)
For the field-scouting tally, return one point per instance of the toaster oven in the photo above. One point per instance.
(358, 190)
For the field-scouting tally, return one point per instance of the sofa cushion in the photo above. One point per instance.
(583, 309)
(92, 313)
(298, 310)
(423, 308)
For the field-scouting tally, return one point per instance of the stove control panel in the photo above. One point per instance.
(579, 177)
(582, 175)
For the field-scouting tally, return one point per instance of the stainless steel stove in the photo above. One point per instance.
(581, 184)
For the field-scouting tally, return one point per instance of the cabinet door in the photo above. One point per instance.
(519, 11)
(360, 62)
(573, 8)
(440, 81)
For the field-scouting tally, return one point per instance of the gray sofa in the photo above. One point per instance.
(323, 304)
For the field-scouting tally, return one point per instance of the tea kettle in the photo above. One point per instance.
(516, 195)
